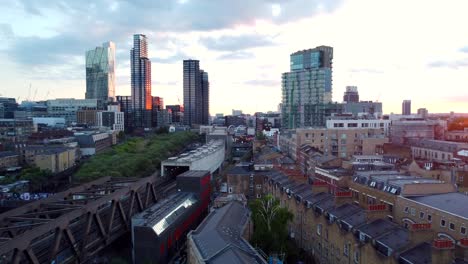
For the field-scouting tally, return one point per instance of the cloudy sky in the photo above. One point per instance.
(392, 50)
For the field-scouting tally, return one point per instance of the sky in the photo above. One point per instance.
(391, 50)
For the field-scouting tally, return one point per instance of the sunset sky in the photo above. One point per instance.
(392, 50)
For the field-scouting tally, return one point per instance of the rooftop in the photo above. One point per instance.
(420, 254)
(377, 228)
(194, 174)
(453, 203)
(395, 240)
(165, 212)
(199, 153)
(5, 154)
(219, 237)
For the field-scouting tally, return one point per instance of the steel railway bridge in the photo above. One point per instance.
(74, 225)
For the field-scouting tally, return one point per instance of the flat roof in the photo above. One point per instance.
(377, 228)
(420, 254)
(395, 240)
(453, 203)
(194, 173)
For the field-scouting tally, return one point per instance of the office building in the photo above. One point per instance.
(351, 94)
(307, 88)
(87, 117)
(100, 74)
(196, 94)
(406, 107)
(177, 113)
(140, 66)
(112, 119)
(68, 108)
(8, 107)
(125, 104)
(157, 106)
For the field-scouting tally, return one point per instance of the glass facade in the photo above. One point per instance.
(140, 67)
(307, 89)
(100, 74)
(196, 94)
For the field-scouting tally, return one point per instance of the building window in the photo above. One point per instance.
(346, 249)
(259, 195)
(442, 223)
(452, 226)
(230, 189)
(319, 229)
(356, 257)
(406, 209)
(413, 211)
(259, 186)
(429, 218)
(421, 215)
(463, 230)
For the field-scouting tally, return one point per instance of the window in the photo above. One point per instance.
(259, 195)
(429, 217)
(356, 256)
(319, 229)
(442, 223)
(463, 230)
(259, 186)
(413, 211)
(421, 215)
(346, 248)
(452, 226)
(406, 209)
(230, 189)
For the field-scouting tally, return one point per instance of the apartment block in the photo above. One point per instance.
(55, 160)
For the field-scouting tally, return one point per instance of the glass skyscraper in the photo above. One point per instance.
(307, 88)
(100, 74)
(140, 67)
(196, 94)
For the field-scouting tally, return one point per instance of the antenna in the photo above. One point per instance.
(35, 93)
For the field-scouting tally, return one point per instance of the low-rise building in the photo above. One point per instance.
(223, 238)
(55, 160)
(457, 135)
(68, 108)
(16, 129)
(243, 180)
(436, 150)
(92, 143)
(8, 159)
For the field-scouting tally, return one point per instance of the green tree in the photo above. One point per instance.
(260, 136)
(270, 224)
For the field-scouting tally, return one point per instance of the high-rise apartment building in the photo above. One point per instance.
(196, 94)
(307, 88)
(141, 82)
(423, 112)
(351, 95)
(406, 107)
(100, 74)
(125, 103)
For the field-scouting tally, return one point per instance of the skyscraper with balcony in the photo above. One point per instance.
(100, 74)
(307, 88)
(140, 67)
(196, 94)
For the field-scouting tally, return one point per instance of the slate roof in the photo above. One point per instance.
(453, 203)
(219, 237)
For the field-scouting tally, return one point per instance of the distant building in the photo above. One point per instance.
(423, 112)
(49, 122)
(234, 121)
(125, 103)
(457, 135)
(8, 106)
(436, 150)
(100, 74)
(68, 108)
(406, 107)
(177, 113)
(8, 159)
(87, 117)
(140, 65)
(307, 88)
(403, 131)
(16, 129)
(363, 108)
(93, 143)
(55, 160)
(384, 125)
(223, 238)
(114, 120)
(242, 179)
(196, 94)
(351, 94)
(236, 112)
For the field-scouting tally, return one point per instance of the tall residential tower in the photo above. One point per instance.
(307, 88)
(196, 94)
(140, 82)
(406, 107)
(100, 74)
